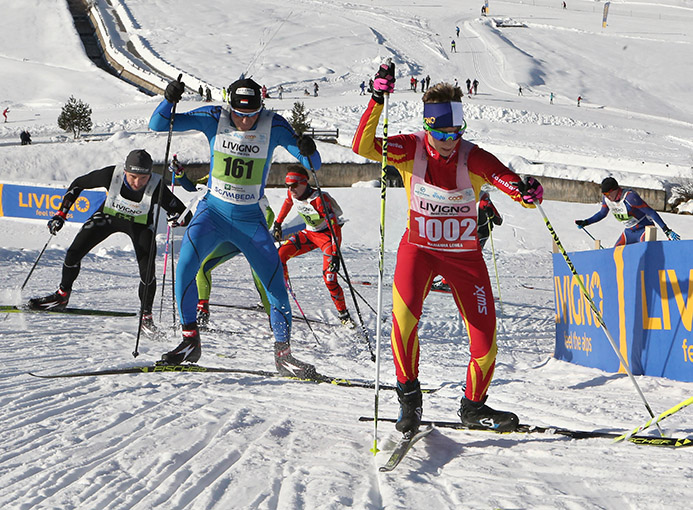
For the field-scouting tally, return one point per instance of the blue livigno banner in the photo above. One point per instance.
(643, 292)
(40, 202)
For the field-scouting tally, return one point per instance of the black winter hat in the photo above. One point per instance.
(609, 184)
(245, 94)
(139, 162)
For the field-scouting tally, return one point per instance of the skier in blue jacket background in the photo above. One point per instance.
(627, 207)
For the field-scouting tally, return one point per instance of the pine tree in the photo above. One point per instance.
(75, 117)
(299, 118)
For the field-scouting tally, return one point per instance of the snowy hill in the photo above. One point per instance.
(203, 441)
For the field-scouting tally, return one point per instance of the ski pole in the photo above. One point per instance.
(35, 263)
(597, 314)
(291, 291)
(591, 237)
(358, 294)
(152, 247)
(168, 243)
(328, 219)
(656, 420)
(495, 267)
(381, 266)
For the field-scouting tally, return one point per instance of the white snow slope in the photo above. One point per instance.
(206, 441)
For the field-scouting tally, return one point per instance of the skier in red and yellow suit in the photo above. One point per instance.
(442, 175)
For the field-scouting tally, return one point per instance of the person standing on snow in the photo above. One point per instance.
(453, 46)
(475, 85)
(317, 234)
(242, 137)
(627, 207)
(315, 89)
(435, 163)
(133, 192)
(5, 112)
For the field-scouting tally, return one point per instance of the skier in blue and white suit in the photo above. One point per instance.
(242, 137)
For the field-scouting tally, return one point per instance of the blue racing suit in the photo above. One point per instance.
(633, 212)
(218, 220)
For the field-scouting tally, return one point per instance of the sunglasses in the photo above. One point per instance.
(246, 114)
(293, 185)
(443, 136)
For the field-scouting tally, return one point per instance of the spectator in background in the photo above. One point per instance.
(5, 112)
(363, 88)
(209, 95)
(25, 137)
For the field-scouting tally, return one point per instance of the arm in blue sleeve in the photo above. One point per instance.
(600, 215)
(203, 119)
(638, 208)
(186, 183)
(287, 138)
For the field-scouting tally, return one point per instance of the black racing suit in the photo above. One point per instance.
(101, 225)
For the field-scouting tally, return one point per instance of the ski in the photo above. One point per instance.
(192, 368)
(570, 433)
(255, 308)
(657, 419)
(72, 311)
(402, 448)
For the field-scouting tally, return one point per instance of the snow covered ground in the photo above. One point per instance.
(203, 441)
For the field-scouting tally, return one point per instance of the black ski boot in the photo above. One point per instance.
(477, 415)
(188, 350)
(410, 407)
(288, 366)
(56, 301)
(346, 319)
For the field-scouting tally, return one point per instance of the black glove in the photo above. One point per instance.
(581, 223)
(306, 145)
(531, 190)
(334, 264)
(277, 232)
(174, 90)
(175, 167)
(174, 219)
(56, 223)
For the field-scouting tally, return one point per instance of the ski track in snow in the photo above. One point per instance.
(237, 441)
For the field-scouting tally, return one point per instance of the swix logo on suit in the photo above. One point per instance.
(239, 161)
(480, 294)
